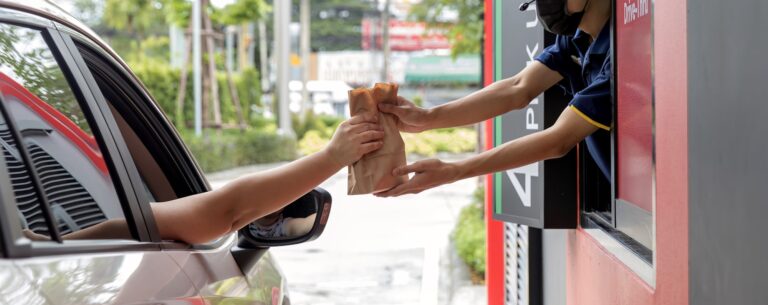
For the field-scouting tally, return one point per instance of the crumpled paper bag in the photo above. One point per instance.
(373, 172)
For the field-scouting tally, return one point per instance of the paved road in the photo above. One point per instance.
(374, 250)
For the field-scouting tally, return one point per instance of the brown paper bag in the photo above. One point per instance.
(373, 173)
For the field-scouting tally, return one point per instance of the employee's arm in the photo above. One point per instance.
(498, 98)
(553, 142)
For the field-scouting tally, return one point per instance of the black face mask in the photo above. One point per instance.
(555, 19)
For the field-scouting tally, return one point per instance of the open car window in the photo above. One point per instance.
(152, 161)
(166, 168)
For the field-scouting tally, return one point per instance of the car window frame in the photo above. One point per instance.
(14, 244)
(141, 99)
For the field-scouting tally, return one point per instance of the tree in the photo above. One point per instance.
(337, 24)
(137, 18)
(465, 32)
(242, 11)
(177, 12)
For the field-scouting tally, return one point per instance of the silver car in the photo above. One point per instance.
(83, 143)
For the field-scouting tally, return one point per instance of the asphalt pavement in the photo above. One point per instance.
(386, 251)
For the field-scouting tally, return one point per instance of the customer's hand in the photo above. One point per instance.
(354, 138)
(429, 173)
(31, 235)
(410, 118)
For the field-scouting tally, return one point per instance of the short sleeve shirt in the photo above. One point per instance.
(586, 71)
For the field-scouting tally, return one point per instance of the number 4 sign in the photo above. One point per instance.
(524, 190)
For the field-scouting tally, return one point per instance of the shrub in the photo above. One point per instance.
(313, 141)
(226, 149)
(324, 124)
(428, 143)
(469, 235)
(315, 131)
(162, 81)
(451, 140)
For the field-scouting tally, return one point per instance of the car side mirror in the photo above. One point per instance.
(301, 221)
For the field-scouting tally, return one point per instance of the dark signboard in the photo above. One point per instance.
(542, 194)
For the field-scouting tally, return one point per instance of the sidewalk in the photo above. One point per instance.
(379, 250)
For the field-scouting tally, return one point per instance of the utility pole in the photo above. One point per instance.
(229, 43)
(197, 68)
(282, 52)
(251, 47)
(264, 64)
(305, 29)
(385, 42)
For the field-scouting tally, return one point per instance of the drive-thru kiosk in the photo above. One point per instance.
(680, 220)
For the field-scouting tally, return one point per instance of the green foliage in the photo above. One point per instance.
(153, 50)
(248, 87)
(177, 12)
(87, 11)
(469, 234)
(336, 24)
(418, 101)
(312, 142)
(136, 17)
(450, 140)
(314, 131)
(314, 136)
(162, 81)
(226, 149)
(465, 34)
(324, 124)
(242, 11)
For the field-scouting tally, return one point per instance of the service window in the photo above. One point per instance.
(624, 204)
(50, 147)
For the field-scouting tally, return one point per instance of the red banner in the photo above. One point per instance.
(403, 36)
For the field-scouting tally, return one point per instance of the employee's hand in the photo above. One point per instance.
(354, 138)
(411, 118)
(428, 174)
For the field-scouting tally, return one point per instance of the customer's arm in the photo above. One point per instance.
(203, 217)
(550, 143)
(498, 98)
(207, 216)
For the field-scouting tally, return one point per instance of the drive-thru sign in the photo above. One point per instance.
(542, 194)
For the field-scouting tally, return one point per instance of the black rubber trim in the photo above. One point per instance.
(595, 221)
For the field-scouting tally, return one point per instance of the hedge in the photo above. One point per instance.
(427, 144)
(450, 140)
(220, 150)
(162, 81)
(469, 235)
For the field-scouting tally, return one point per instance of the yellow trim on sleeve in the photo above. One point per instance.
(590, 120)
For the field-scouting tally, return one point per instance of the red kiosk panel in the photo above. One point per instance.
(634, 104)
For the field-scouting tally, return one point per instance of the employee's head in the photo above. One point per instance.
(561, 17)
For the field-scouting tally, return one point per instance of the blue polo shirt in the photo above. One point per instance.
(586, 71)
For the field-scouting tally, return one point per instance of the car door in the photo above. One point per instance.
(61, 175)
(166, 171)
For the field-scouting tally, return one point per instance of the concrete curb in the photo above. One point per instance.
(454, 282)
